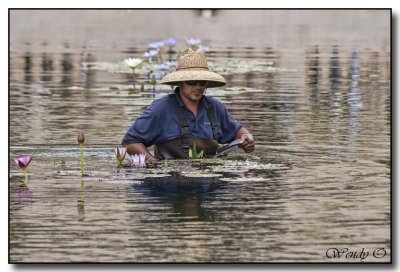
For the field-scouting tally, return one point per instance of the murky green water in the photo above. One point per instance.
(319, 178)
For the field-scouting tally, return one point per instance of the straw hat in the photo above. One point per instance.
(192, 65)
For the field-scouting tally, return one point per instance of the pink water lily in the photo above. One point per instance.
(120, 153)
(23, 161)
(138, 160)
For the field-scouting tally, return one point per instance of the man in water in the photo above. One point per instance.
(175, 122)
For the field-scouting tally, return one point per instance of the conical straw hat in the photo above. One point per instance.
(192, 65)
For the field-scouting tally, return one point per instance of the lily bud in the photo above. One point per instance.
(81, 137)
(120, 153)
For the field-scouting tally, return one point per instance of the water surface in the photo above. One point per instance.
(319, 178)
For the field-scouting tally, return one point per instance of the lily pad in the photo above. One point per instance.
(224, 67)
(244, 179)
(200, 174)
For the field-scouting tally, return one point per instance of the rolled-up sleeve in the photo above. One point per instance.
(144, 130)
(229, 125)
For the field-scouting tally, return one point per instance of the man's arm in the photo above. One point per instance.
(247, 139)
(139, 148)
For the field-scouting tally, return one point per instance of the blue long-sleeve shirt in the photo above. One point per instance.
(159, 122)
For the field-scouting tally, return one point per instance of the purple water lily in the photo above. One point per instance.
(170, 42)
(120, 153)
(156, 45)
(138, 160)
(23, 161)
(151, 54)
(204, 48)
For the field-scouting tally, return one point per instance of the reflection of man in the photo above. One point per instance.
(185, 195)
(175, 122)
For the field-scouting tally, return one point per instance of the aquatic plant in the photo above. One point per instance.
(23, 162)
(133, 63)
(203, 48)
(151, 54)
(194, 43)
(120, 153)
(138, 160)
(170, 42)
(156, 45)
(165, 163)
(81, 142)
(193, 152)
(153, 63)
(153, 82)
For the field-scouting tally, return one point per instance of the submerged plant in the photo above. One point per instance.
(193, 153)
(120, 153)
(23, 162)
(81, 141)
(138, 160)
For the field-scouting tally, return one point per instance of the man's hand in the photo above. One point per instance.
(139, 148)
(248, 143)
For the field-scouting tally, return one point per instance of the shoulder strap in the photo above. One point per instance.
(185, 128)
(213, 121)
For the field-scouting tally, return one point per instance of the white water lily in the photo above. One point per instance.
(193, 41)
(133, 63)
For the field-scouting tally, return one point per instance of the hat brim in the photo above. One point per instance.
(174, 78)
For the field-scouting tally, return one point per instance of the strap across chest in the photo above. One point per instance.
(185, 128)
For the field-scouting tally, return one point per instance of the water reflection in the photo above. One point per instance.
(20, 192)
(313, 77)
(81, 202)
(47, 68)
(185, 195)
(334, 69)
(66, 68)
(261, 217)
(22, 195)
(28, 68)
(354, 99)
(87, 75)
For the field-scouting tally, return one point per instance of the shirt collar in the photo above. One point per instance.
(201, 104)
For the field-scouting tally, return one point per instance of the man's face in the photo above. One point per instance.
(193, 90)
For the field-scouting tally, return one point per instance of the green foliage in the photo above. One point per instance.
(193, 152)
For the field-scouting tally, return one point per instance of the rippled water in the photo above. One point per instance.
(319, 178)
